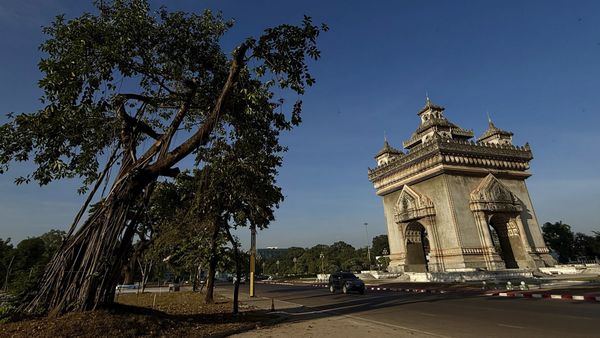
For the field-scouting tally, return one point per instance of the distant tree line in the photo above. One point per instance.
(22, 265)
(569, 246)
(339, 256)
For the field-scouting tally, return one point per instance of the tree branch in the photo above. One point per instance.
(202, 135)
(170, 172)
(168, 136)
(132, 122)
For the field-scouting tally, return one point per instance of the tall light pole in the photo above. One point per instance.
(252, 258)
(295, 267)
(368, 248)
(322, 255)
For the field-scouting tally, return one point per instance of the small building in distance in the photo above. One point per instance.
(454, 204)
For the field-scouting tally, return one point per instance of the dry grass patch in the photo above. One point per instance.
(180, 314)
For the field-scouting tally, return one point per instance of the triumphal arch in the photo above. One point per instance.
(454, 204)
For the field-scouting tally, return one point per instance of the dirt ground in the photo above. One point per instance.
(180, 314)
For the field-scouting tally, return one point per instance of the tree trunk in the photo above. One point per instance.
(212, 265)
(8, 269)
(129, 272)
(238, 271)
(85, 272)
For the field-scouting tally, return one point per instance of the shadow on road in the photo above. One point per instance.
(319, 303)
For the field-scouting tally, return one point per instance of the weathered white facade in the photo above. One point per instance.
(452, 204)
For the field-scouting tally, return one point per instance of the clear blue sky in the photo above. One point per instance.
(534, 65)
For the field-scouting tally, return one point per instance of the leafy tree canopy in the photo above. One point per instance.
(121, 75)
(379, 244)
(559, 237)
(143, 89)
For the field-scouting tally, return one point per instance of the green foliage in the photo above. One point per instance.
(6, 259)
(586, 246)
(177, 238)
(569, 246)
(149, 61)
(560, 238)
(52, 241)
(8, 307)
(29, 259)
(339, 256)
(379, 244)
(379, 248)
(87, 61)
(127, 74)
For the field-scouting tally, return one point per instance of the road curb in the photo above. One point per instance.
(369, 288)
(510, 294)
(548, 295)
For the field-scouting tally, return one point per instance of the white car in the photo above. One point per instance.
(127, 286)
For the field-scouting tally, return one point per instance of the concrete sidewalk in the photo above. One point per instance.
(295, 320)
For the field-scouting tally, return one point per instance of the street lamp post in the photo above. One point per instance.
(368, 248)
(295, 267)
(277, 267)
(252, 258)
(322, 268)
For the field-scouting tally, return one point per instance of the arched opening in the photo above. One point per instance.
(417, 248)
(499, 231)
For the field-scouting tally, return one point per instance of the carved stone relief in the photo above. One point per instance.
(493, 196)
(411, 206)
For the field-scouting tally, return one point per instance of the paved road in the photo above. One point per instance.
(442, 315)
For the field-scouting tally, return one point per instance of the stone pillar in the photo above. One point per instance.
(525, 258)
(490, 256)
(522, 233)
(398, 258)
(436, 258)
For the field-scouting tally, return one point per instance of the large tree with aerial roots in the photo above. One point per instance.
(129, 92)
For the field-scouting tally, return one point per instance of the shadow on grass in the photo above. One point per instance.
(122, 320)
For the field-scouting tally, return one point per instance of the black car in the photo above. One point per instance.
(345, 281)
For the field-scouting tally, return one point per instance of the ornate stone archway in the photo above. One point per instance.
(414, 208)
(443, 161)
(493, 204)
(417, 248)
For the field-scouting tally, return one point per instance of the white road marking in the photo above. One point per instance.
(316, 311)
(512, 326)
(330, 304)
(358, 318)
